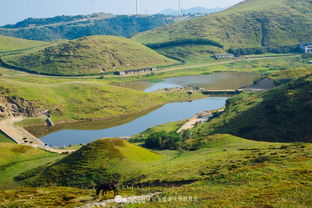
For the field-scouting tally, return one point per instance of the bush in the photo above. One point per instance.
(182, 42)
(163, 140)
(263, 50)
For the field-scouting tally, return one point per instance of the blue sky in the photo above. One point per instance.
(12, 11)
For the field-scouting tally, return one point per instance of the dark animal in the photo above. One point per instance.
(107, 187)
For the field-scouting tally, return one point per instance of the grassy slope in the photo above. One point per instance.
(11, 44)
(241, 173)
(89, 55)
(168, 127)
(232, 172)
(72, 101)
(4, 138)
(103, 158)
(281, 114)
(15, 159)
(252, 23)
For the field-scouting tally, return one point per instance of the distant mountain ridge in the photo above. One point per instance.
(73, 27)
(64, 19)
(194, 10)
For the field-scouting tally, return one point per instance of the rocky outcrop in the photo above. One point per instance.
(15, 106)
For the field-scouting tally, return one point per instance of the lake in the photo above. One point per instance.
(166, 113)
(214, 81)
(81, 133)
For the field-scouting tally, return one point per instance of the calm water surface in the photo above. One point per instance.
(215, 81)
(167, 113)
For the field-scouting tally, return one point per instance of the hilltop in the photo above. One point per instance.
(102, 160)
(73, 27)
(282, 114)
(88, 55)
(249, 24)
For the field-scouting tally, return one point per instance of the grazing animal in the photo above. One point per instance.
(107, 187)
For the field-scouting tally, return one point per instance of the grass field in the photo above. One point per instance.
(14, 45)
(4, 138)
(15, 159)
(230, 172)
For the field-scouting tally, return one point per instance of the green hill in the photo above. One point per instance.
(249, 24)
(99, 161)
(91, 55)
(10, 44)
(281, 114)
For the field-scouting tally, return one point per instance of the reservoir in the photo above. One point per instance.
(214, 81)
(82, 133)
(166, 113)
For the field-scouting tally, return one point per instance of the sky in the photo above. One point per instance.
(12, 11)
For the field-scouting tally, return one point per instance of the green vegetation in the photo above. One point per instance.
(102, 160)
(73, 27)
(90, 55)
(167, 127)
(228, 171)
(11, 44)
(45, 197)
(250, 24)
(75, 101)
(4, 138)
(267, 115)
(15, 159)
(163, 140)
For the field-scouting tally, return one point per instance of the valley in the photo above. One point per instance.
(174, 111)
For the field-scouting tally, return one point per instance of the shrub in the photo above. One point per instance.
(263, 50)
(163, 140)
(182, 42)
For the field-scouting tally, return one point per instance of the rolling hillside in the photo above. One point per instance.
(249, 24)
(73, 27)
(15, 159)
(282, 114)
(88, 55)
(102, 160)
(9, 45)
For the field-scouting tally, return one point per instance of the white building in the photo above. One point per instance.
(306, 47)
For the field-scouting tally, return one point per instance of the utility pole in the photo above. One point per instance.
(137, 7)
(180, 7)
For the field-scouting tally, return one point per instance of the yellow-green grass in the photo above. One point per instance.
(234, 172)
(230, 172)
(192, 66)
(167, 127)
(15, 159)
(76, 101)
(104, 158)
(269, 115)
(253, 23)
(4, 138)
(49, 197)
(14, 44)
(88, 56)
